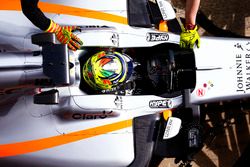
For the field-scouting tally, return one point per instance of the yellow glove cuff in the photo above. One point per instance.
(53, 27)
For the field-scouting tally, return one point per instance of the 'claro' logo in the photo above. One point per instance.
(86, 116)
(153, 37)
(160, 104)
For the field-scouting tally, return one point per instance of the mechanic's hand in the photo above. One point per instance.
(189, 38)
(65, 36)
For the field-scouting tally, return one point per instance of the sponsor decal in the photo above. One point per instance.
(115, 39)
(118, 102)
(168, 129)
(200, 92)
(243, 46)
(239, 73)
(162, 9)
(242, 66)
(172, 128)
(206, 86)
(89, 116)
(243, 72)
(95, 27)
(154, 37)
(160, 103)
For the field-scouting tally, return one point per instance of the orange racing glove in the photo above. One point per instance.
(189, 37)
(65, 36)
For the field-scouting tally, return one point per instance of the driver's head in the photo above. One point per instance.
(106, 70)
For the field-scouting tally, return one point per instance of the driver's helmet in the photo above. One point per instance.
(106, 70)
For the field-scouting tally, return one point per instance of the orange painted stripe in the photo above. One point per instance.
(67, 10)
(25, 147)
(10, 5)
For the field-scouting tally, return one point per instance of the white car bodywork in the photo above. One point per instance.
(97, 130)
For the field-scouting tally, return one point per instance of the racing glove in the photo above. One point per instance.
(64, 35)
(189, 37)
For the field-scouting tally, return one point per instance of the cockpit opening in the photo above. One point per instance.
(162, 70)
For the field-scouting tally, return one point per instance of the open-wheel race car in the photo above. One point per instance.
(51, 116)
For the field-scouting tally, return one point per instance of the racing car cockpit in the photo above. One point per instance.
(159, 70)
